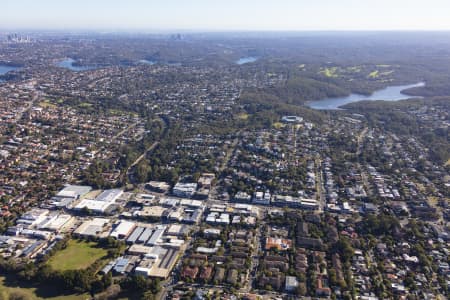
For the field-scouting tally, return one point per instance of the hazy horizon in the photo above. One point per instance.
(225, 16)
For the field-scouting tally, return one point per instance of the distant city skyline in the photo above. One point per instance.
(220, 15)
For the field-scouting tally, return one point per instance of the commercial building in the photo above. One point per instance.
(97, 207)
(242, 197)
(56, 222)
(151, 212)
(192, 216)
(156, 236)
(191, 203)
(158, 186)
(309, 204)
(177, 230)
(102, 203)
(144, 237)
(123, 230)
(167, 258)
(212, 232)
(291, 284)
(291, 119)
(122, 265)
(262, 198)
(69, 194)
(184, 190)
(33, 217)
(135, 235)
(94, 227)
(218, 218)
(109, 195)
(139, 249)
(206, 180)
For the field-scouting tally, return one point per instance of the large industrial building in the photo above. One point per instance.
(67, 195)
(102, 203)
(123, 230)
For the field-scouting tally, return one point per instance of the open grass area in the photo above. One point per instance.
(78, 255)
(330, 72)
(242, 116)
(46, 104)
(15, 290)
(116, 112)
(374, 74)
(85, 104)
(433, 201)
(278, 125)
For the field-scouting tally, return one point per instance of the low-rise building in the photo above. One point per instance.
(122, 230)
(184, 190)
(291, 284)
(91, 228)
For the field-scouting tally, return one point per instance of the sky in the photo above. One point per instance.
(225, 15)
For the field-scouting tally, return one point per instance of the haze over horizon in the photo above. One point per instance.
(232, 15)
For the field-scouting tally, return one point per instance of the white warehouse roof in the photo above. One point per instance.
(123, 229)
